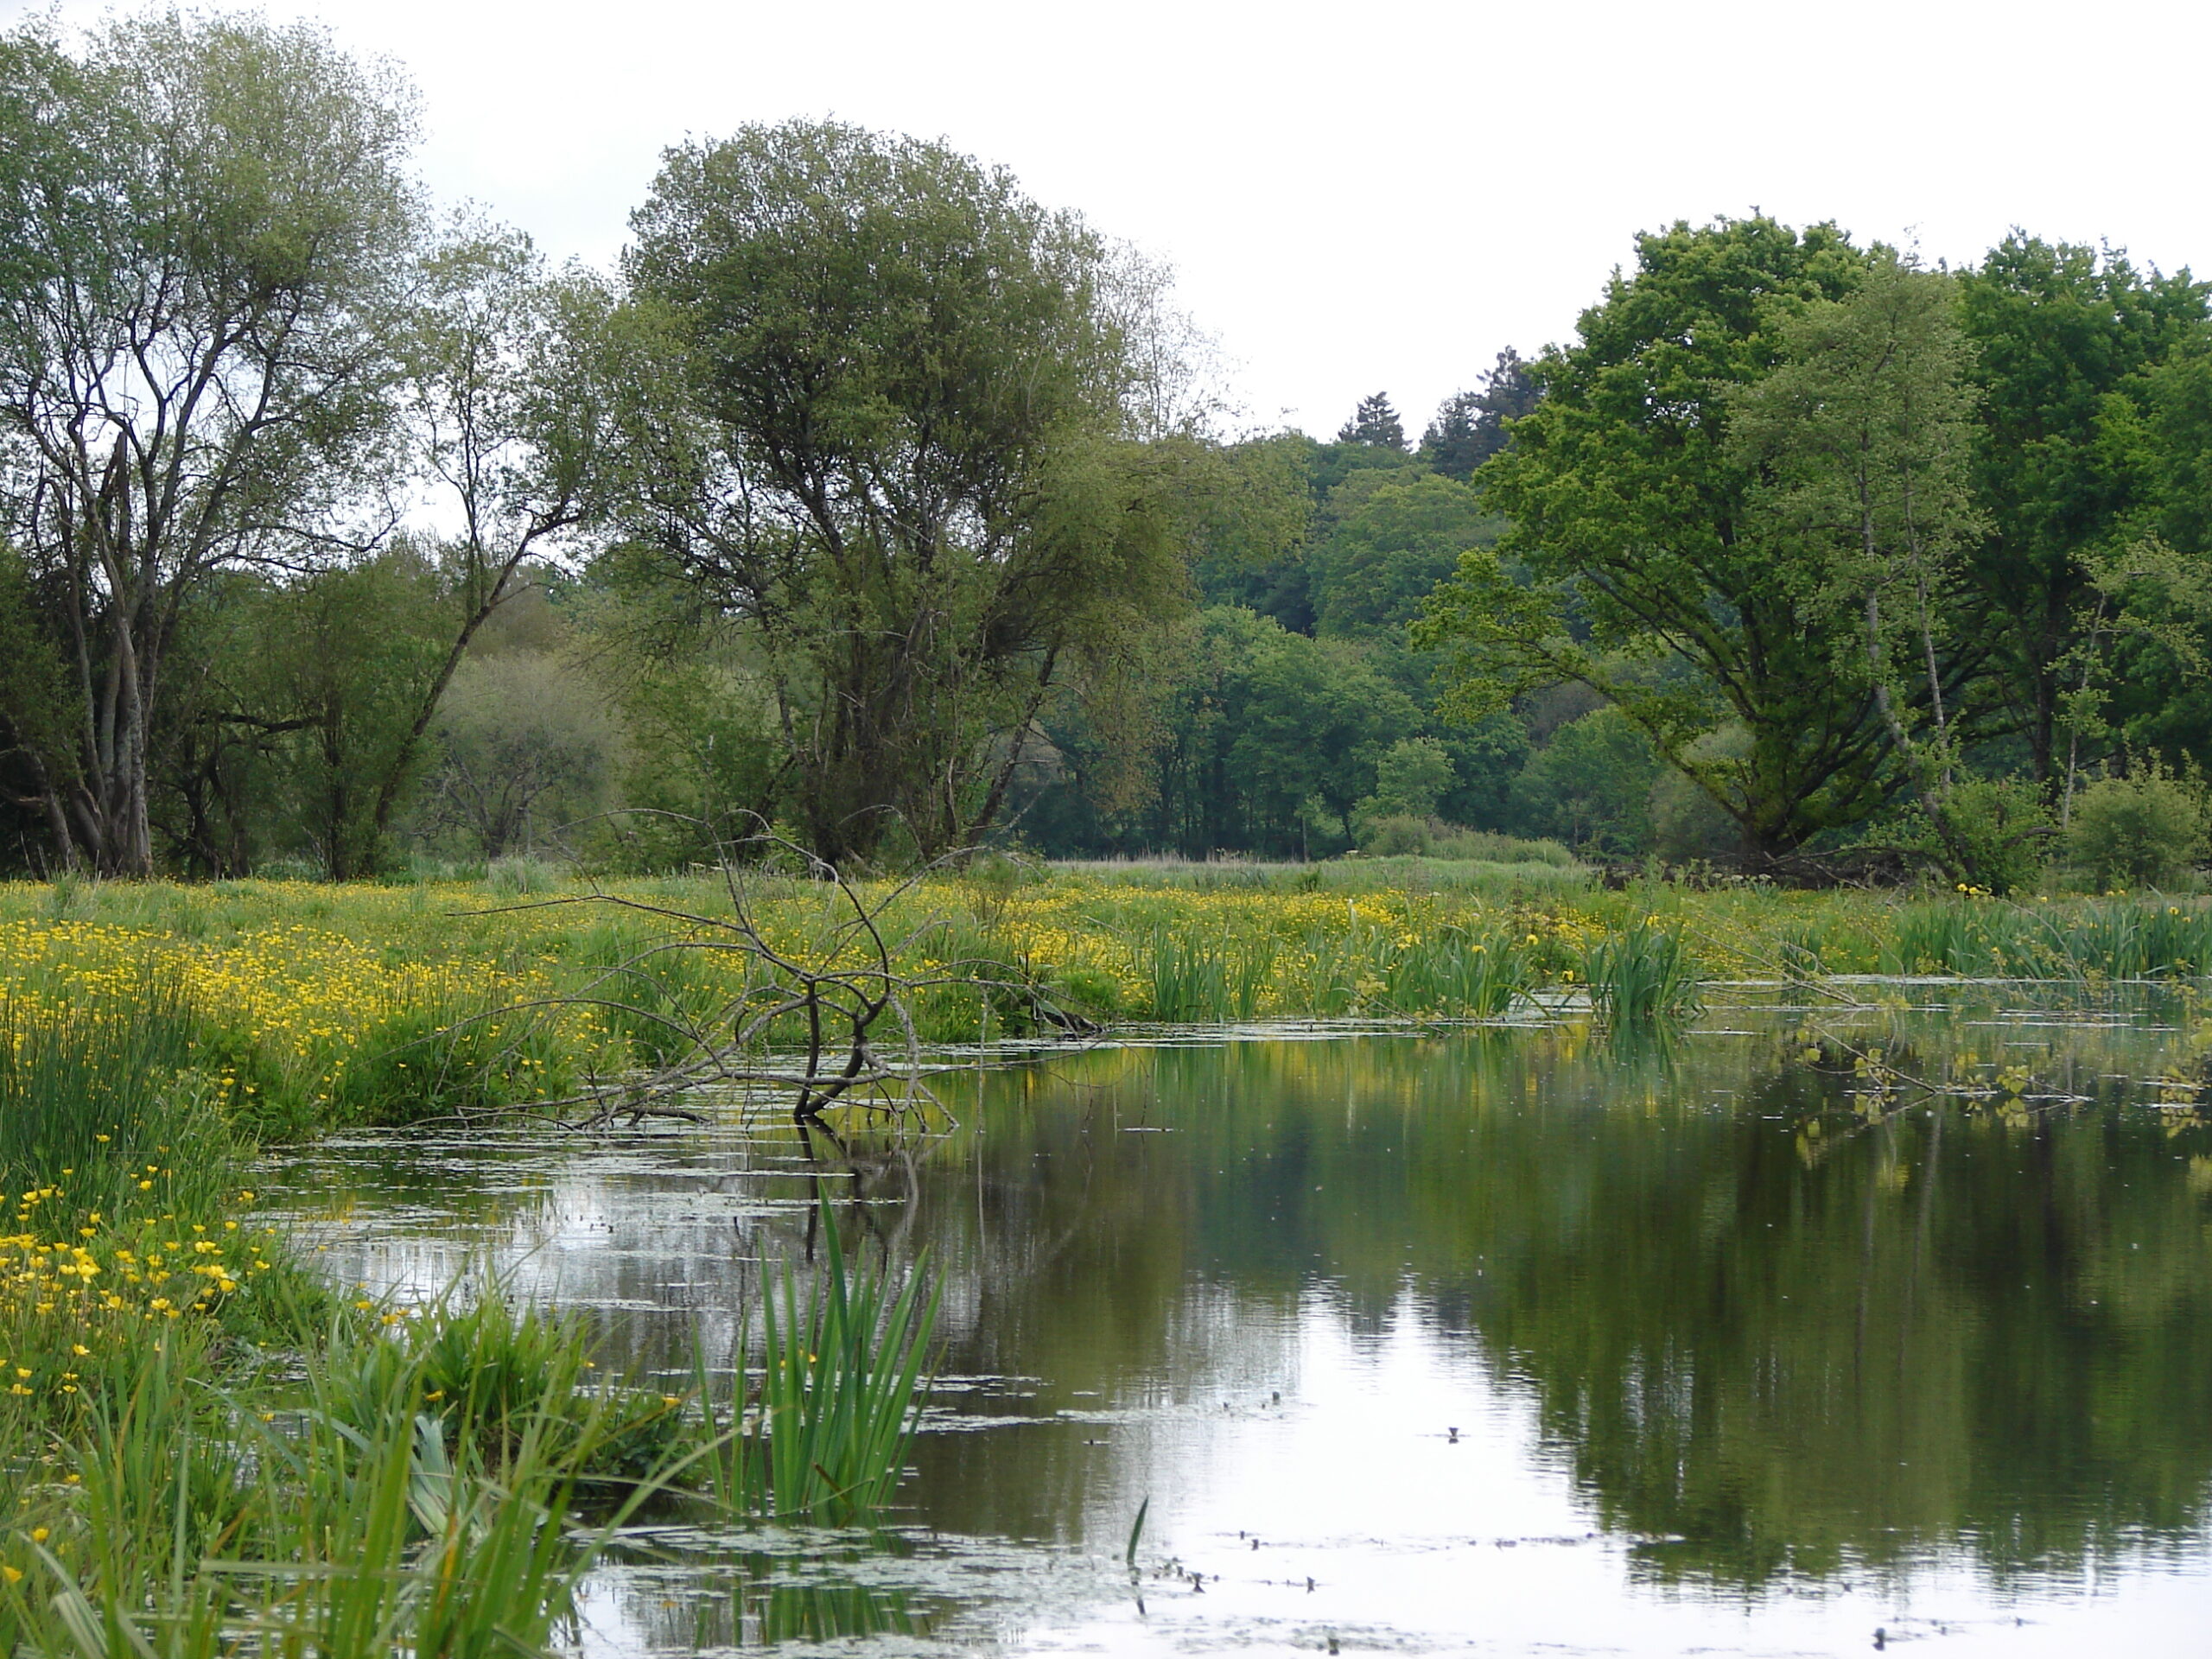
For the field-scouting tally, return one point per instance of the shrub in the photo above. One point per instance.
(2000, 829)
(2142, 831)
(1400, 835)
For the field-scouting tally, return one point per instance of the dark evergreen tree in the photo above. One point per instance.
(1374, 422)
(1470, 426)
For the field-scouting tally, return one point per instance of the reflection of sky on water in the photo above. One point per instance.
(1230, 1281)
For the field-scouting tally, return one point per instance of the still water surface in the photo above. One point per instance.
(1500, 1342)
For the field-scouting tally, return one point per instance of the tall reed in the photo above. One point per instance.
(1209, 980)
(839, 1393)
(358, 1523)
(86, 1084)
(1641, 976)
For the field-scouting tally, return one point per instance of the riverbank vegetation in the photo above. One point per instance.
(206, 1446)
(281, 1009)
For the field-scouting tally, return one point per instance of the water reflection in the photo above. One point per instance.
(1523, 1331)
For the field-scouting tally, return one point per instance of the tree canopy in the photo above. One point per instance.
(208, 226)
(908, 459)
(1636, 564)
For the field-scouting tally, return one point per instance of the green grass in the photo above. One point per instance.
(350, 1519)
(1641, 976)
(833, 1413)
(91, 1087)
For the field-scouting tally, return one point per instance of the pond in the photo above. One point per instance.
(1506, 1341)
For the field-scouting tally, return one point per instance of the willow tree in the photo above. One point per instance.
(912, 448)
(204, 223)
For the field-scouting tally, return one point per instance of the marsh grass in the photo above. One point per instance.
(2111, 939)
(354, 1521)
(840, 1388)
(492, 1374)
(1642, 976)
(88, 1086)
(1460, 974)
(301, 1007)
(1192, 980)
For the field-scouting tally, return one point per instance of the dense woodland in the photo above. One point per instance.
(870, 499)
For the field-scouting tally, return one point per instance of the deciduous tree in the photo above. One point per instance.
(1863, 435)
(2058, 332)
(1636, 563)
(914, 450)
(207, 226)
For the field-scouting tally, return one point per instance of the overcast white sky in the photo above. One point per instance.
(1359, 199)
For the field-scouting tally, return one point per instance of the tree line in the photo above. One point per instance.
(1801, 555)
(860, 459)
(868, 497)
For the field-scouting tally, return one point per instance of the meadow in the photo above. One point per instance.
(299, 1006)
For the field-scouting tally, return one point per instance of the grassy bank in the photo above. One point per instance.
(174, 1392)
(204, 1450)
(300, 1005)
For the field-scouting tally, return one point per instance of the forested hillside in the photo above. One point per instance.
(871, 497)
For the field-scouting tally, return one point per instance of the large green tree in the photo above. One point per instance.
(2058, 332)
(1637, 564)
(914, 450)
(205, 228)
(1864, 435)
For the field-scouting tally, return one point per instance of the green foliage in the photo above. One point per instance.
(2110, 940)
(498, 1380)
(2064, 336)
(842, 1381)
(1641, 976)
(1996, 834)
(1411, 777)
(1590, 784)
(364, 1531)
(2144, 830)
(1862, 435)
(209, 221)
(1472, 426)
(38, 707)
(1374, 422)
(1206, 982)
(527, 753)
(90, 1087)
(955, 485)
(1634, 537)
(1412, 837)
(1392, 537)
(344, 660)
(1276, 736)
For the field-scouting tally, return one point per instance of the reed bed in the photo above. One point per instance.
(204, 1452)
(1642, 976)
(340, 1515)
